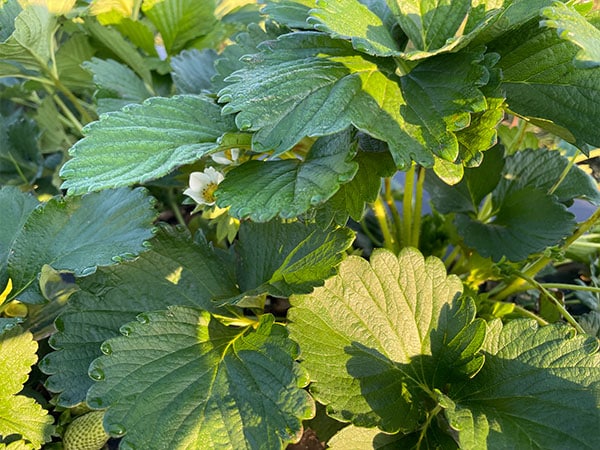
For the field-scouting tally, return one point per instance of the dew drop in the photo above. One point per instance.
(125, 330)
(87, 271)
(143, 318)
(97, 374)
(106, 348)
(245, 124)
(95, 402)
(117, 430)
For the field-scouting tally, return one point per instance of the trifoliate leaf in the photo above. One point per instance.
(16, 207)
(193, 70)
(118, 84)
(572, 26)
(286, 258)
(353, 20)
(30, 44)
(174, 272)
(379, 336)
(220, 387)
(19, 414)
(70, 234)
(261, 190)
(327, 86)
(541, 82)
(291, 13)
(541, 169)
(180, 21)
(144, 142)
(539, 388)
(526, 222)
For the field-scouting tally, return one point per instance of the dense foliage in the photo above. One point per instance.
(241, 224)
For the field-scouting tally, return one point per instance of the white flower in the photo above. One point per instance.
(203, 186)
(226, 157)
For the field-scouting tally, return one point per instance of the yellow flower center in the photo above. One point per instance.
(208, 193)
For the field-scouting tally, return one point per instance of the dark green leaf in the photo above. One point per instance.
(526, 222)
(539, 388)
(193, 70)
(328, 86)
(226, 387)
(541, 169)
(364, 187)
(20, 158)
(117, 81)
(174, 272)
(378, 331)
(69, 58)
(291, 13)
(540, 81)
(261, 190)
(144, 142)
(286, 258)
(573, 27)
(16, 207)
(70, 234)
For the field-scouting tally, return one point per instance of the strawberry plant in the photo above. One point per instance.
(240, 224)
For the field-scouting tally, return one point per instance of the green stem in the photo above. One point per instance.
(391, 204)
(526, 313)
(514, 145)
(503, 291)
(175, 208)
(571, 287)
(563, 311)
(376, 242)
(564, 173)
(416, 224)
(407, 205)
(430, 416)
(68, 114)
(379, 210)
(451, 257)
(135, 12)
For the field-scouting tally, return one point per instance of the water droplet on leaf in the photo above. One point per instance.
(97, 374)
(125, 330)
(143, 318)
(118, 430)
(106, 348)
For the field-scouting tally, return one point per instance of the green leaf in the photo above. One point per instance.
(573, 27)
(291, 13)
(193, 70)
(539, 388)
(245, 43)
(121, 47)
(69, 57)
(526, 222)
(16, 207)
(356, 438)
(19, 414)
(328, 86)
(378, 338)
(541, 82)
(353, 196)
(144, 142)
(228, 387)
(29, 45)
(430, 24)
(287, 258)
(70, 234)
(175, 271)
(20, 157)
(541, 169)
(180, 21)
(261, 190)
(350, 19)
(118, 84)
(53, 136)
